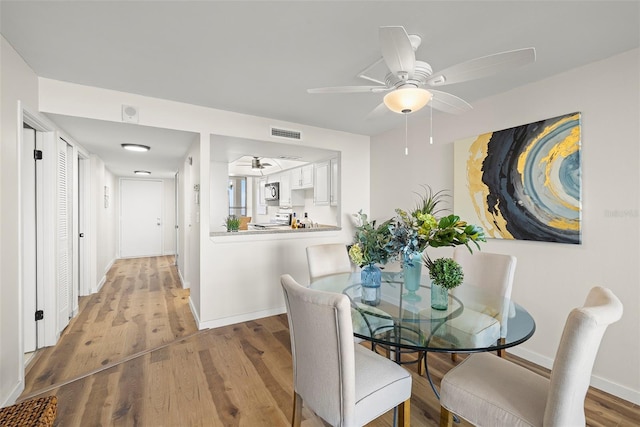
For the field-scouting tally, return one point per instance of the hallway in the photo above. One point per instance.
(133, 357)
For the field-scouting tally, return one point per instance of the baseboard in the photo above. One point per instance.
(196, 317)
(185, 284)
(102, 282)
(104, 275)
(231, 320)
(14, 395)
(600, 383)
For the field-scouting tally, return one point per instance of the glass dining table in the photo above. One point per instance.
(403, 321)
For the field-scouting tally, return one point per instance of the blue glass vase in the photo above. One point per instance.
(439, 297)
(371, 279)
(411, 275)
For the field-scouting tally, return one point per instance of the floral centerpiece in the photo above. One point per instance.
(419, 229)
(413, 232)
(407, 237)
(371, 246)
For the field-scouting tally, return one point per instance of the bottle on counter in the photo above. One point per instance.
(307, 223)
(294, 221)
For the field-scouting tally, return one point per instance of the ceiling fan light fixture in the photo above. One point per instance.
(135, 147)
(407, 99)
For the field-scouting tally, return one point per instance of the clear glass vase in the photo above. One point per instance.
(411, 274)
(371, 279)
(439, 297)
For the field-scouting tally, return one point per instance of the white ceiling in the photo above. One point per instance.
(207, 52)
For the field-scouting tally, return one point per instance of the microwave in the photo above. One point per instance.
(272, 191)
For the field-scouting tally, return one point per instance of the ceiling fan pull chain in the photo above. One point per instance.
(406, 144)
(431, 124)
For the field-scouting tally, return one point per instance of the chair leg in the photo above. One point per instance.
(502, 352)
(404, 413)
(454, 357)
(421, 355)
(296, 418)
(446, 417)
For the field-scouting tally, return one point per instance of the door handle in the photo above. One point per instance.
(158, 221)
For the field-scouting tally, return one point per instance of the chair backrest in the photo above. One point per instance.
(576, 354)
(323, 350)
(331, 258)
(493, 272)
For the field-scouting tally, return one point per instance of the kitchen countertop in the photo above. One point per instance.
(275, 230)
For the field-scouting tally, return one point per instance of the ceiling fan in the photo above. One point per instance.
(256, 163)
(407, 76)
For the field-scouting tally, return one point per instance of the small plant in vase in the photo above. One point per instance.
(445, 274)
(232, 223)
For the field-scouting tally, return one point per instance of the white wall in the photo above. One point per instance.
(552, 278)
(169, 217)
(17, 83)
(103, 223)
(192, 225)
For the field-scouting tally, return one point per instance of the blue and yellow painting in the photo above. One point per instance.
(522, 183)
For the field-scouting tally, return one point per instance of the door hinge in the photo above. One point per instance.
(37, 154)
(39, 315)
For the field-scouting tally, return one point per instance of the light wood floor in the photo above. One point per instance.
(133, 357)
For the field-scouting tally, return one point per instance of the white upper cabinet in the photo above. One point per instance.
(302, 177)
(321, 185)
(285, 189)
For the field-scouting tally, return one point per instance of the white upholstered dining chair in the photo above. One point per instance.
(488, 271)
(333, 258)
(343, 383)
(327, 259)
(490, 391)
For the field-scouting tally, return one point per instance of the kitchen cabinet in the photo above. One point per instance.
(289, 198)
(321, 185)
(302, 177)
(285, 189)
(334, 196)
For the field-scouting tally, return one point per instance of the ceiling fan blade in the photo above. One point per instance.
(396, 49)
(483, 67)
(378, 112)
(448, 103)
(348, 89)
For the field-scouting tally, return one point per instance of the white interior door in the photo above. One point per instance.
(177, 226)
(29, 242)
(141, 204)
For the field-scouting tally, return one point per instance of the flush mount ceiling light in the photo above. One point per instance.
(142, 172)
(135, 147)
(407, 100)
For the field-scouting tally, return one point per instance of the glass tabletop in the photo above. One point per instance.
(474, 321)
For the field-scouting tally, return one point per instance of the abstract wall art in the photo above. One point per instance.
(522, 183)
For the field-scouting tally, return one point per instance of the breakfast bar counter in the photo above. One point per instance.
(274, 230)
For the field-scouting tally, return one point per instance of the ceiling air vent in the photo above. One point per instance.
(286, 133)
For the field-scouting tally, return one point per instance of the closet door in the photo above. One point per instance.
(64, 230)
